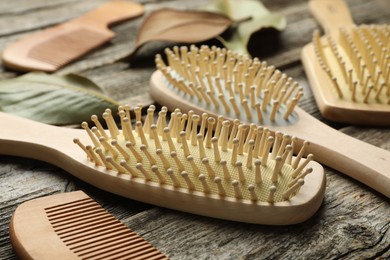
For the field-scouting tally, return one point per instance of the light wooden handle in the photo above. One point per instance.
(111, 13)
(362, 161)
(331, 14)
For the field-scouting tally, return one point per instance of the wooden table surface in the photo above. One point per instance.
(352, 223)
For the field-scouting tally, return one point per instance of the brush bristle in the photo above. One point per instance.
(358, 65)
(234, 85)
(232, 161)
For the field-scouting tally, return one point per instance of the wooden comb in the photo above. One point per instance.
(73, 226)
(54, 47)
(349, 68)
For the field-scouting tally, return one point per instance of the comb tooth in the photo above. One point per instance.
(168, 137)
(82, 146)
(203, 181)
(85, 126)
(120, 150)
(252, 192)
(299, 169)
(203, 123)
(276, 146)
(119, 168)
(194, 168)
(240, 171)
(301, 176)
(137, 156)
(300, 154)
(171, 174)
(138, 113)
(226, 173)
(264, 157)
(202, 152)
(190, 184)
(124, 121)
(150, 158)
(128, 168)
(103, 158)
(111, 123)
(237, 190)
(233, 159)
(163, 159)
(258, 177)
(177, 161)
(250, 154)
(217, 155)
(233, 132)
(141, 134)
(194, 129)
(378, 94)
(161, 177)
(145, 173)
(210, 171)
(95, 120)
(287, 194)
(278, 166)
(221, 189)
(285, 141)
(108, 147)
(149, 119)
(271, 196)
(366, 97)
(94, 157)
(209, 134)
(153, 131)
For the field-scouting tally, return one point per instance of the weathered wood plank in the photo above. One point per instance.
(353, 222)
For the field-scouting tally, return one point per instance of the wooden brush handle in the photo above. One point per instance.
(362, 161)
(331, 14)
(110, 13)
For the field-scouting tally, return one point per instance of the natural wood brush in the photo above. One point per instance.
(235, 172)
(349, 68)
(220, 82)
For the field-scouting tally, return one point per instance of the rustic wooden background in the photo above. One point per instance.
(352, 223)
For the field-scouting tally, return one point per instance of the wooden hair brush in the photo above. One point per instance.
(229, 173)
(73, 226)
(349, 68)
(221, 82)
(54, 47)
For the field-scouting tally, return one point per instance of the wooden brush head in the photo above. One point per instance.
(349, 68)
(73, 226)
(235, 165)
(54, 47)
(227, 83)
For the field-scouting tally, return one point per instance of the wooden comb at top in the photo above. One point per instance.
(73, 226)
(52, 48)
(349, 68)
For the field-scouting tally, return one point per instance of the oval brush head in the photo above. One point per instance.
(231, 84)
(355, 75)
(231, 171)
(349, 68)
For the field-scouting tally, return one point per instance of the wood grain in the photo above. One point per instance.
(353, 222)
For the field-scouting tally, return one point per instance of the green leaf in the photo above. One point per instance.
(249, 16)
(54, 100)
